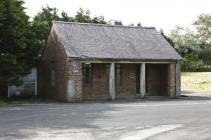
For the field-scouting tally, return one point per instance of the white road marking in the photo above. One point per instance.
(145, 133)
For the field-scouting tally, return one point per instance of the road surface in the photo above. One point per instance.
(119, 120)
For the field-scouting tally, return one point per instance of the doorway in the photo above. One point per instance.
(156, 79)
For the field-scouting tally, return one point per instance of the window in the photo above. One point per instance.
(107, 67)
(118, 75)
(87, 74)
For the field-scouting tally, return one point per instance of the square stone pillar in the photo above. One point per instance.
(142, 80)
(172, 80)
(112, 81)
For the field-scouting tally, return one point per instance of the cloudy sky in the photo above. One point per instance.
(163, 14)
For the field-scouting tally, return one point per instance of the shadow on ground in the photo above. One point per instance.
(195, 95)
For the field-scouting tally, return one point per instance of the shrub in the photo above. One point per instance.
(191, 62)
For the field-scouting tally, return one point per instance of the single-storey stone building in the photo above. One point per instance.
(92, 61)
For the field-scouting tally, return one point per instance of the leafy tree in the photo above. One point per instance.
(15, 39)
(170, 41)
(98, 20)
(186, 43)
(41, 26)
(191, 62)
(2, 13)
(203, 28)
(185, 40)
(65, 17)
(192, 44)
(84, 17)
(205, 54)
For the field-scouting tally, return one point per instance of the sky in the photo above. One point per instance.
(162, 14)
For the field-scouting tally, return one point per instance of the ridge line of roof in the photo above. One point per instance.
(105, 25)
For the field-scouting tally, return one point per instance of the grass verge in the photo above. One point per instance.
(196, 81)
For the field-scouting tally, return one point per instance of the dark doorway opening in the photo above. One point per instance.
(157, 79)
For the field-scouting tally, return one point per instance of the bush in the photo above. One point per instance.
(191, 62)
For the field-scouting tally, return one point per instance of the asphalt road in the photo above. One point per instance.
(121, 120)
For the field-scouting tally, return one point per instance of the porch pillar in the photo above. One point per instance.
(142, 80)
(172, 80)
(178, 80)
(112, 81)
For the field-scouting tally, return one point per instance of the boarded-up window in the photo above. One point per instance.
(87, 74)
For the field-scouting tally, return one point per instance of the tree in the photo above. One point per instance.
(185, 40)
(170, 41)
(65, 17)
(15, 39)
(194, 45)
(203, 28)
(84, 17)
(41, 26)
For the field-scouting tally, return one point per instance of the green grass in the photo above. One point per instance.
(2, 103)
(196, 81)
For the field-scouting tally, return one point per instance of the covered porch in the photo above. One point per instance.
(122, 79)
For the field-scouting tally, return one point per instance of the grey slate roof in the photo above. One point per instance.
(113, 42)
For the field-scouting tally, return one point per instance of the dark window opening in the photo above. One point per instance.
(87, 74)
(118, 75)
(107, 75)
